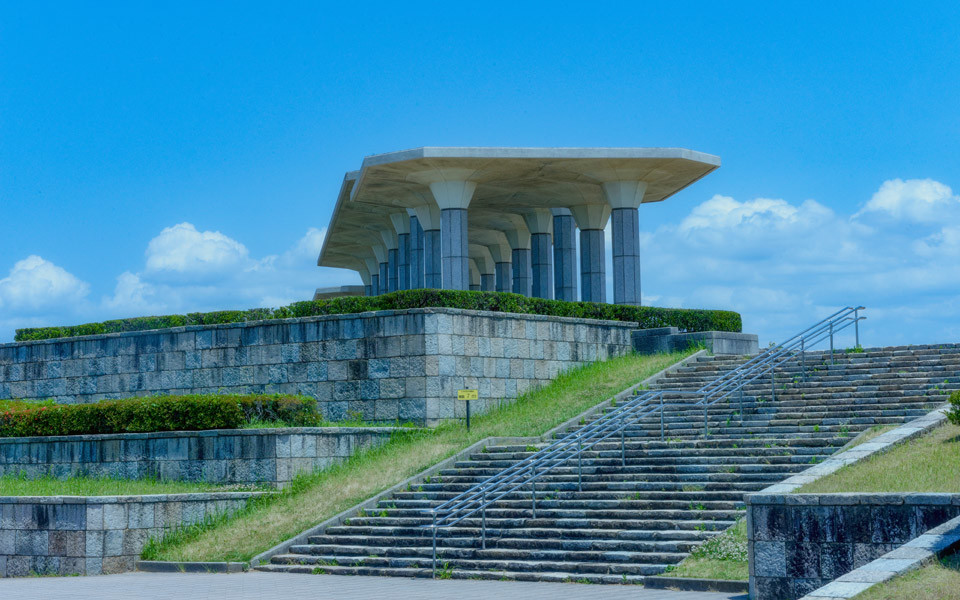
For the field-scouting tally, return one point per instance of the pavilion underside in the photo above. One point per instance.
(503, 219)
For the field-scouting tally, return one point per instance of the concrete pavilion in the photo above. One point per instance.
(503, 219)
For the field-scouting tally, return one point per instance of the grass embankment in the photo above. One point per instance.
(940, 580)
(925, 464)
(314, 498)
(19, 485)
(722, 557)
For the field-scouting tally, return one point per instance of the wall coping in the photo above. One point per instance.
(855, 499)
(97, 437)
(131, 499)
(319, 318)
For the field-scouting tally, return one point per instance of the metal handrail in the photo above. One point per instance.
(567, 448)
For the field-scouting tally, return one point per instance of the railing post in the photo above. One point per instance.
(661, 417)
(705, 431)
(832, 362)
(623, 447)
(741, 398)
(483, 518)
(773, 384)
(533, 491)
(803, 359)
(434, 545)
(856, 326)
(580, 464)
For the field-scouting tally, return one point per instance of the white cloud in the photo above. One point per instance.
(35, 283)
(914, 200)
(184, 250)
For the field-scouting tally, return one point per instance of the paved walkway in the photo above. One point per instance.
(270, 586)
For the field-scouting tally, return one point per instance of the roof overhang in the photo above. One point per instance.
(509, 181)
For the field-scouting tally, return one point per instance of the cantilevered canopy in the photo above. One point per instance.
(508, 181)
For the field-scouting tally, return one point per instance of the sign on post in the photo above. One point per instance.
(467, 395)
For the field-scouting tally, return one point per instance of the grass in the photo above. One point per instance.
(311, 499)
(925, 464)
(721, 557)
(20, 485)
(940, 580)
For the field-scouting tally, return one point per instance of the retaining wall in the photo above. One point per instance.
(217, 456)
(800, 542)
(69, 535)
(378, 366)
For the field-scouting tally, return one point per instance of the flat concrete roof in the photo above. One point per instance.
(509, 180)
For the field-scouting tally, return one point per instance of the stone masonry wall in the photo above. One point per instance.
(379, 366)
(800, 542)
(69, 535)
(216, 456)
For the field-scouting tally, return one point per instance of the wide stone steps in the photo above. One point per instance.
(623, 523)
(643, 565)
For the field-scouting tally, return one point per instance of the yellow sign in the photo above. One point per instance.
(467, 395)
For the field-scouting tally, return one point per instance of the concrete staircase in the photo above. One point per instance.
(631, 522)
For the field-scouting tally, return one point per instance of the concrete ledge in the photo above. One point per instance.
(159, 566)
(669, 339)
(690, 584)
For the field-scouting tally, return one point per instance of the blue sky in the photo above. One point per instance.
(158, 159)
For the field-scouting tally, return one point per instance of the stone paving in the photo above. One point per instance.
(269, 586)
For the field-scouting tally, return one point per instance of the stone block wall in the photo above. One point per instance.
(217, 456)
(800, 542)
(69, 535)
(378, 366)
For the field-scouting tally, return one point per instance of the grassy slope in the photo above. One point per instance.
(13, 485)
(315, 498)
(925, 464)
(940, 580)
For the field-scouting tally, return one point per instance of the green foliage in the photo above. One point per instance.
(646, 316)
(155, 413)
(953, 413)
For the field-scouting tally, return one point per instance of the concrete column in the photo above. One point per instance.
(416, 252)
(432, 270)
(626, 256)
(364, 273)
(452, 193)
(624, 197)
(389, 283)
(522, 277)
(372, 282)
(385, 277)
(564, 255)
(501, 255)
(591, 219)
(504, 277)
(519, 240)
(474, 275)
(483, 259)
(540, 224)
(401, 224)
(429, 219)
(453, 249)
(382, 269)
(393, 262)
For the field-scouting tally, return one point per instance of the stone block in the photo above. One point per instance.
(67, 543)
(32, 542)
(770, 559)
(114, 516)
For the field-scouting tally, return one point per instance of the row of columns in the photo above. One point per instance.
(428, 247)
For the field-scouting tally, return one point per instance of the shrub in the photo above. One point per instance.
(155, 413)
(953, 413)
(646, 316)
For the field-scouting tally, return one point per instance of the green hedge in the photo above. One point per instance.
(647, 316)
(155, 413)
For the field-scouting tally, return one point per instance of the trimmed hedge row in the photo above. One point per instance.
(156, 413)
(646, 316)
